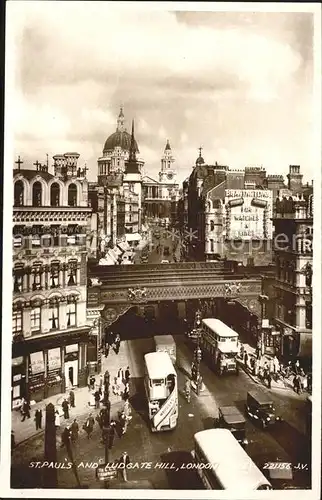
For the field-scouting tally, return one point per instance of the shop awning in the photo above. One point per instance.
(133, 237)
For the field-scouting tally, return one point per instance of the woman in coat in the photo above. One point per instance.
(57, 419)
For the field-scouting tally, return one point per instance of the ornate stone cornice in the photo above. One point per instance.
(224, 288)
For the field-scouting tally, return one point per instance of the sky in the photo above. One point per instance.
(239, 84)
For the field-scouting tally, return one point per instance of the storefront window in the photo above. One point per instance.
(35, 319)
(17, 322)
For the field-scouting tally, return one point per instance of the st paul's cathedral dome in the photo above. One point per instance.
(120, 138)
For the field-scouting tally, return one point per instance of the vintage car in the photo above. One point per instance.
(232, 419)
(260, 407)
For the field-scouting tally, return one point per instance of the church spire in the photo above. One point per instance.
(120, 121)
(132, 155)
(167, 147)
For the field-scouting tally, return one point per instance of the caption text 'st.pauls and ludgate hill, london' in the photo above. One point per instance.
(144, 306)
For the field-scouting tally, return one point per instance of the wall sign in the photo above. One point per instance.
(37, 362)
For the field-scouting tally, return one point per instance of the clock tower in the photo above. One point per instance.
(167, 174)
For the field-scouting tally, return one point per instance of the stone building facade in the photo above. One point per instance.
(51, 229)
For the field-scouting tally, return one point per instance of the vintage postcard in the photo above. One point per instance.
(162, 179)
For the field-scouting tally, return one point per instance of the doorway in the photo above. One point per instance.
(71, 373)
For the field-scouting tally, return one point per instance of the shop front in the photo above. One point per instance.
(54, 379)
(18, 384)
(36, 376)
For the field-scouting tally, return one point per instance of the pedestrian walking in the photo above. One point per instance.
(72, 399)
(25, 409)
(74, 431)
(271, 366)
(117, 343)
(123, 423)
(65, 438)
(123, 463)
(126, 392)
(116, 387)
(97, 398)
(89, 425)
(92, 382)
(127, 408)
(187, 390)
(120, 377)
(127, 374)
(57, 419)
(38, 419)
(309, 382)
(101, 381)
(296, 385)
(276, 365)
(269, 379)
(65, 407)
(297, 367)
(252, 364)
(245, 358)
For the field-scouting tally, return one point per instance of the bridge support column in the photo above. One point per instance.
(182, 310)
(157, 310)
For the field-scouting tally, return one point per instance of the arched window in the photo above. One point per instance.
(212, 225)
(36, 194)
(72, 195)
(54, 195)
(18, 194)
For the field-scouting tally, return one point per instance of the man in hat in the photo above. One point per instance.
(124, 460)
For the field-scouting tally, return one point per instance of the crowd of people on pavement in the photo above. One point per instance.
(112, 340)
(268, 368)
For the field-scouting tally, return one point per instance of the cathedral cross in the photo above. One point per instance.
(19, 162)
(37, 164)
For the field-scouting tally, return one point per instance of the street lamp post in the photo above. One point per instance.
(197, 353)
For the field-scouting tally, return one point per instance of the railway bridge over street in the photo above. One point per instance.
(119, 288)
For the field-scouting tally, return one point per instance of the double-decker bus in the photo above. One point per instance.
(160, 380)
(220, 344)
(223, 464)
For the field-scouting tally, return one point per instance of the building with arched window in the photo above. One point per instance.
(51, 228)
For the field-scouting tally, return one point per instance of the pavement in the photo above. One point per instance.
(283, 443)
(285, 384)
(84, 403)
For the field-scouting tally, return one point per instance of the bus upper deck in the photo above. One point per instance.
(229, 466)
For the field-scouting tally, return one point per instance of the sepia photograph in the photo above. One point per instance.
(162, 178)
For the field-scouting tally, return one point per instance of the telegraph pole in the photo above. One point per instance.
(106, 417)
(50, 454)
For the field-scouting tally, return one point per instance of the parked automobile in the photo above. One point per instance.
(260, 407)
(232, 419)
